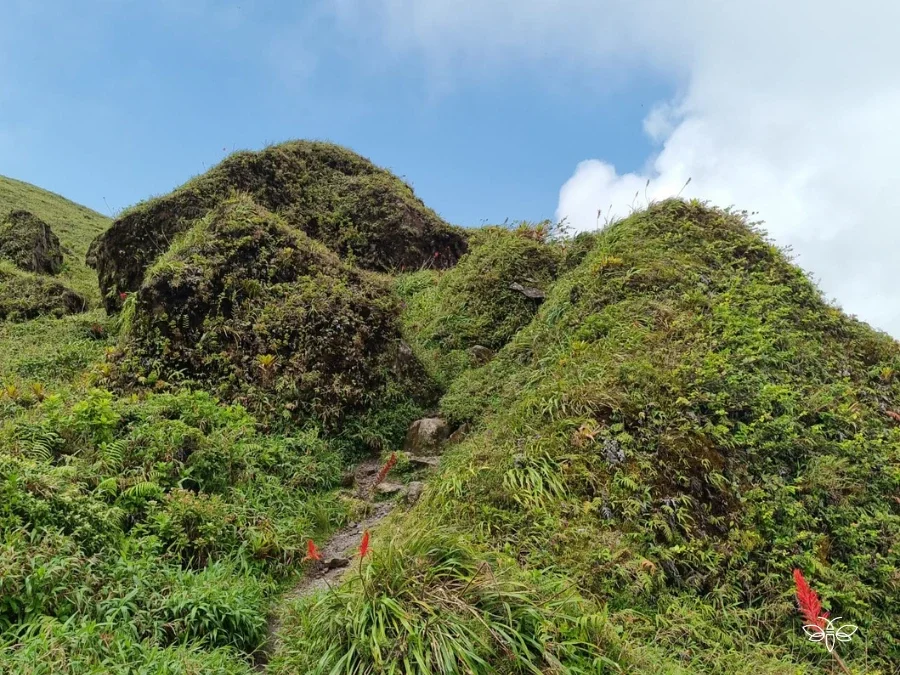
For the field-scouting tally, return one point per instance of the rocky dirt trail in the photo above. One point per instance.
(381, 497)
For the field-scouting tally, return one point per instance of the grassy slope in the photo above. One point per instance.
(50, 351)
(683, 423)
(75, 225)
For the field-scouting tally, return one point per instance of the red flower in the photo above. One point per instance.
(808, 600)
(312, 553)
(385, 470)
(123, 295)
(364, 545)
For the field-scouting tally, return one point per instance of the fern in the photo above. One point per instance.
(42, 444)
(111, 454)
(108, 485)
(143, 490)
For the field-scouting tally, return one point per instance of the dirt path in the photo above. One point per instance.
(339, 551)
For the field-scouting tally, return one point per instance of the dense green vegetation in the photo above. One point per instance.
(24, 295)
(364, 213)
(258, 312)
(665, 419)
(683, 423)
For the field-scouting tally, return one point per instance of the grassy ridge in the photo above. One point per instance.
(75, 225)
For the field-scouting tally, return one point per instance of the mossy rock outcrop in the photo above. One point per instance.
(360, 211)
(24, 295)
(29, 243)
(457, 317)
(260, 313)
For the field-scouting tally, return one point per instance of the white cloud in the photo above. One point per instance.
(786, 108)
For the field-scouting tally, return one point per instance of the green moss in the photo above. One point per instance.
(260, 313)
(26, 296)
(475, 303)
(360, 211)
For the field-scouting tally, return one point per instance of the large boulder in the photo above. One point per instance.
(260, 313)
(24, 296)
(426, 436)
(29, 243)
(357, 209)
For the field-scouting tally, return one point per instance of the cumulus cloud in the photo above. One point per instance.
(788, 109)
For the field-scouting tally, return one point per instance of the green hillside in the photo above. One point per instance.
(75, 225)
(304, 446)
(683, 423)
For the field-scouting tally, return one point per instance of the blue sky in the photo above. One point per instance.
(492, 109)
(117, 101)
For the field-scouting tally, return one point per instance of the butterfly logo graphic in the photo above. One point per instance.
(829, 634)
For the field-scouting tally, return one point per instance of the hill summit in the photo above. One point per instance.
(360, 211)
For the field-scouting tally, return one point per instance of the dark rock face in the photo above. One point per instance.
(29, 243)
(481, 354)
(357, 209)
(426, 436)
(262, 314)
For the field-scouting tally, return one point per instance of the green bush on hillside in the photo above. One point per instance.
(166, 518)
(683, 423)
(476, 303)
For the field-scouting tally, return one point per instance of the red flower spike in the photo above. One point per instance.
(312, 553)
(364, 545)
(123, 295)
(808, 601)
(385, 470)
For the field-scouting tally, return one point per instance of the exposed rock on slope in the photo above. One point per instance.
(257, 311)
(29, 243)
(360, 211)
(75, 225)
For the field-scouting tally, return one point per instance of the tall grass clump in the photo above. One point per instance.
(427, 603)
